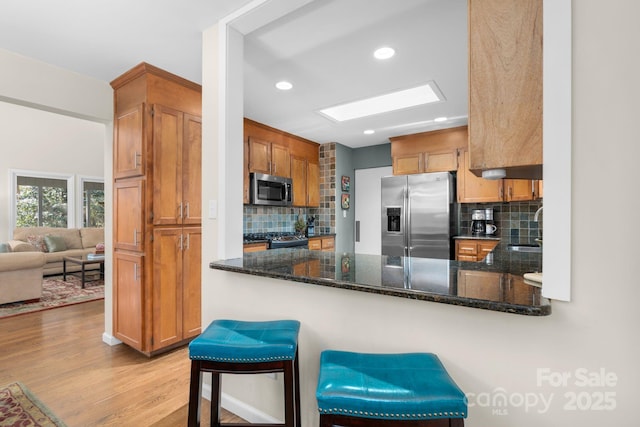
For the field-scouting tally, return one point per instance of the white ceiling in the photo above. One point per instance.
(324, 48)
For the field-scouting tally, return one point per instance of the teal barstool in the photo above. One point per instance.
(384, 390)
(240, 347)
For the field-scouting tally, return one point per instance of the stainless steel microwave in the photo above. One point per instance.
(270, 190)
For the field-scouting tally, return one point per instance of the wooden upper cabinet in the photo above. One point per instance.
(299, 178)
(129, 145)
(167, 165)
(517, 190)
(313, 184)
(259, 156)
(192, 170)
(408, 164)
(472, 189)
(280, 161)
(267, 157)
(434, 151)
(441, 161)
(305, 176)
(505, 86)
(275, 152)
(177, 152)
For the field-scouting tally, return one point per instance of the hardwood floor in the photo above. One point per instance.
(59, 355)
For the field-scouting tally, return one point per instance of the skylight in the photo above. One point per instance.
(399, 100)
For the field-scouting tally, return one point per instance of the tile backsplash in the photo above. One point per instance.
(265, 219)
(514, 220)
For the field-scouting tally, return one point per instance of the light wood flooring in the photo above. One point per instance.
(59, 355)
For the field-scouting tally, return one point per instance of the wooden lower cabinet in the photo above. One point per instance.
(176, 285)
(255, 247)
(157, 306)
(481, 285)
(326, 243)
(519, 292)
(129, 298)
(474, 249)
(500, 287)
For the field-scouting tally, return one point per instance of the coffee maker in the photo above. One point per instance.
(478, 221)
(490, 226)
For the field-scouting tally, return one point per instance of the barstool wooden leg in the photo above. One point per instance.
(215, 399)
(195, 388)
(296, 373)
(288, 394)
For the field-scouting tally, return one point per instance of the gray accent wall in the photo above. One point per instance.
(345, 219)
(347, 161)
(374, 156)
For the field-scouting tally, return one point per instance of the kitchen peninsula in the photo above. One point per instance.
(496, 286)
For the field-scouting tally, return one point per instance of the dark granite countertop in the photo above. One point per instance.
(495, 284)
(476, 237)
(315, 235)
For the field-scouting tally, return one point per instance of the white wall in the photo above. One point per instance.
(494, 354)
(37, 140)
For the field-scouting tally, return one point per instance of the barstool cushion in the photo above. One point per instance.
(242, 341)
(410, 386)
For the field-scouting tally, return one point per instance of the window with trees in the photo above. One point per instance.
(41, 201)
(92, 203)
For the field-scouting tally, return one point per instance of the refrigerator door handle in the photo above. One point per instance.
(407, 233)
(357, 231)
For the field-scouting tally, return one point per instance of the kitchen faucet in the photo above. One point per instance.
(535, 218)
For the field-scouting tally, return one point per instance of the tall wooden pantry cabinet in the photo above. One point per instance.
(157, 209)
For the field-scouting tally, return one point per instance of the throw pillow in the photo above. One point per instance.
(55, 243)
(37, 242)
(4, 248)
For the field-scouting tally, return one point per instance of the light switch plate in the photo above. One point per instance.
(213, 209)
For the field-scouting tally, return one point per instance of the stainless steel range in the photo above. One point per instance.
(278, 240)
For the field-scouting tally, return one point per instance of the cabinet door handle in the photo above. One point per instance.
(180, 210)
(188, 242)
(187, 210)
(510, 193)
(136, 156)
(180, 242)
(136, 276)
(135, 237)
(501, 193)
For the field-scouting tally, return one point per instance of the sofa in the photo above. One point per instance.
(56, 243)
(20, 276)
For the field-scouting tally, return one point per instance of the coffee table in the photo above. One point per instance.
(83, 261)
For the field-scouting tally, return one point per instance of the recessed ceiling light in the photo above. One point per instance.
(384, 53)
(440, 119)
(369, 132)
(399, 100)
(284, 85)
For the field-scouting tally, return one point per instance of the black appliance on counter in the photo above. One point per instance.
(311, 227)
(278, 240)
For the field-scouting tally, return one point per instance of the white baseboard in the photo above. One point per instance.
(110, 339)
(240, 408)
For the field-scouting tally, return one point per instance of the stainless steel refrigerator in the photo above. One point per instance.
(418, 215)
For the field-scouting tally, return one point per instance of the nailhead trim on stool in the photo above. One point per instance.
(242, 347)
(388, 388)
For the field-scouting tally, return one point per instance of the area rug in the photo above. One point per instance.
(20, 408)
(57, 293)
